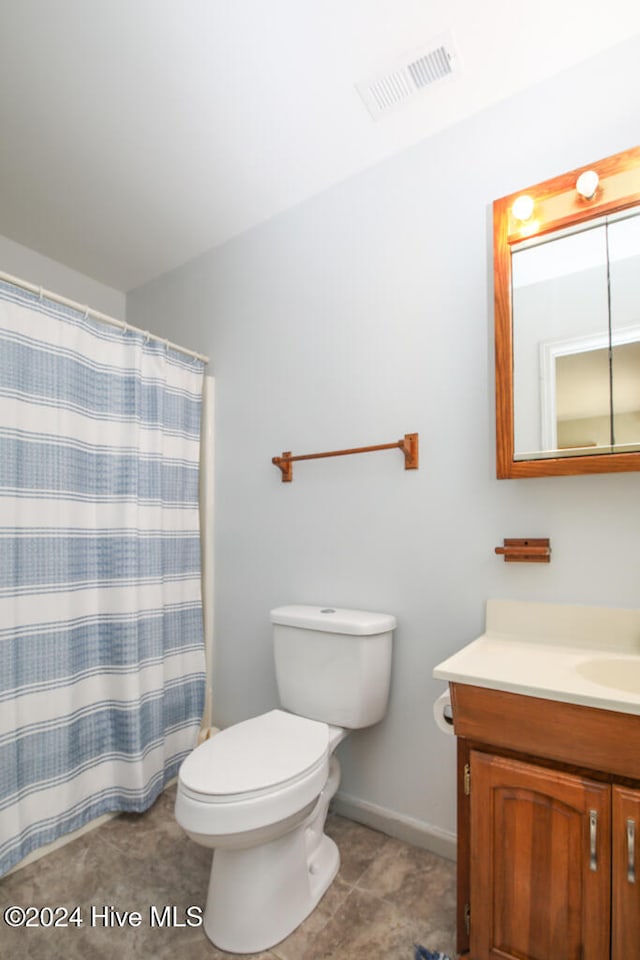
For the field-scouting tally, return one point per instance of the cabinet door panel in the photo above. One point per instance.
(540, 863)
(625, 935)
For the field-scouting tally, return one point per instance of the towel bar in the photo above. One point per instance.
(408, 445)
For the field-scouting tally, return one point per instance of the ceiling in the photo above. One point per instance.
(136, 134)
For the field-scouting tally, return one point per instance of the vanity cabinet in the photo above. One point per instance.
(625, 933)
(548, 809)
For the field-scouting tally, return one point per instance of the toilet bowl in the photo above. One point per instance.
(258, 792)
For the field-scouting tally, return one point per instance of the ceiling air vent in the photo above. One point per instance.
(409, 77)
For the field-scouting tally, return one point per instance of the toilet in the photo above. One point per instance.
(258, 792)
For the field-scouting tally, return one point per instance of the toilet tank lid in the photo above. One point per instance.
(333, 619)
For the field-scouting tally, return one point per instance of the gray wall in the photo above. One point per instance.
(361, 315)
(26, 264)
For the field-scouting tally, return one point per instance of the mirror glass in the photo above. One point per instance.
(567, 322)
(576, 340)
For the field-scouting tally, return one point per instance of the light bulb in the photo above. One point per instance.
(587, 184)
(522, 208)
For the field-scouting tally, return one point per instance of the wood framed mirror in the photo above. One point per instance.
(567, 322)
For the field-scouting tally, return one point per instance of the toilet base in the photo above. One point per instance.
(258, 896)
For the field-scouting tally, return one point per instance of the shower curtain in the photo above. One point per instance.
(101, 646)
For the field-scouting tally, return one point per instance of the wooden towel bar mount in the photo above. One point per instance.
(408, 445)
(526, 551)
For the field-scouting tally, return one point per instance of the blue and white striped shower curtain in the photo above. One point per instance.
(101, 646)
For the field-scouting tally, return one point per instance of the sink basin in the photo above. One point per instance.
(621, 673)
(583, 655)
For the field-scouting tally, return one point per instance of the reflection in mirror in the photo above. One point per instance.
(567, 322)
(576, 327)
(624, 256)
(583, 400)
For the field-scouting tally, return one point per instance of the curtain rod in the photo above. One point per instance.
(96, 315)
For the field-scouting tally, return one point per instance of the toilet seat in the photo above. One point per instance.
(253, 773)
(255, 757)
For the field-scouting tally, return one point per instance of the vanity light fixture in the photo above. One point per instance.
(587, 184)
(522, 208)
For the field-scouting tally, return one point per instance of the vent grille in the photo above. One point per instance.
(434, 66)
(408, 78)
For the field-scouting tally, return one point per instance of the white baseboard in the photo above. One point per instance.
(417, 832)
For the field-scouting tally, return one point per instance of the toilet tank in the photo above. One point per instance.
(333, 665)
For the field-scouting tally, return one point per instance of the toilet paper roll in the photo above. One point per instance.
(442, 713)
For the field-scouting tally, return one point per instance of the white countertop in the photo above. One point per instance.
(556, 652)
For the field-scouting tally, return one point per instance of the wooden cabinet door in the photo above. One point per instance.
(625, 933)
(540, 877)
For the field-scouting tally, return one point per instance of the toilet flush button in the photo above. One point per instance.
(327, 610)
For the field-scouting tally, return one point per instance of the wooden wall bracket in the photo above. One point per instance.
(526, 551)
(408, 445)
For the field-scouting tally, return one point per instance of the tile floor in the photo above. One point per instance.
(387, 897)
